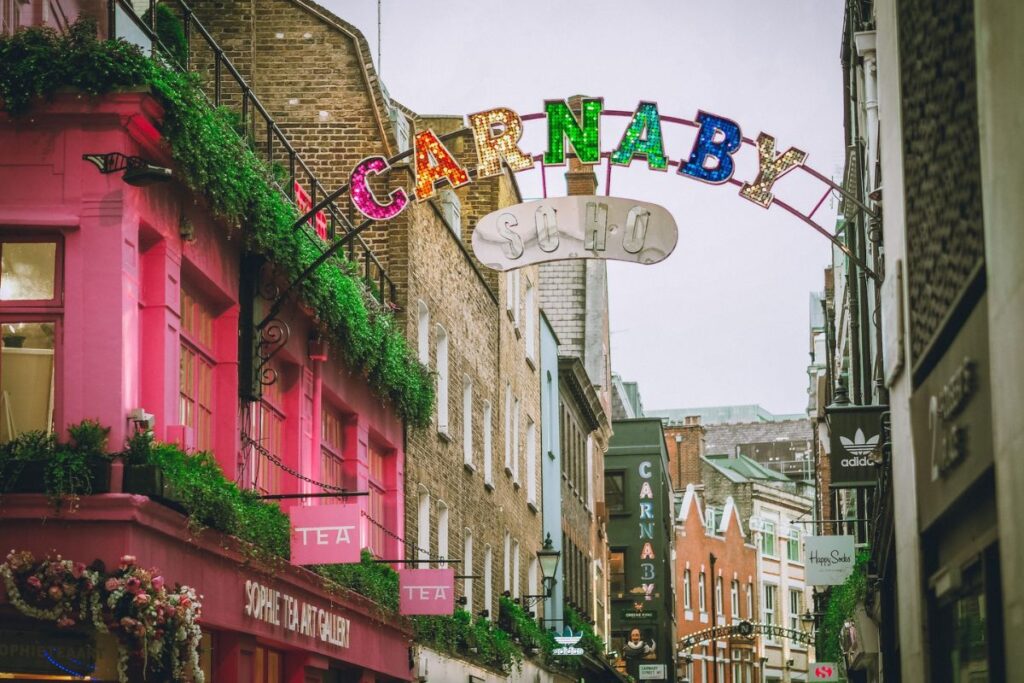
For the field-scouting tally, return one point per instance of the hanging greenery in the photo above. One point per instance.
(842, 600)
(218, 164)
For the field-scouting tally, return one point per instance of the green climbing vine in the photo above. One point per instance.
(218, 164)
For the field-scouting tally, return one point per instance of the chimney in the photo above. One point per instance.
(580, 179)
(685, 445)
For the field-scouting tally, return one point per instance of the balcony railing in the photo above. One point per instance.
(223, 85)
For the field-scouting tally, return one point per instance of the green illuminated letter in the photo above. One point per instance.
(562, 124)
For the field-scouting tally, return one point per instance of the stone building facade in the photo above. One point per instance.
(472, 494)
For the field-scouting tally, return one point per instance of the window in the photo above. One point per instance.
(531, 321)
(508, 562)
(768, 538)
(793, 545)
(589, 489)
(515, 439)
(769, 603)
(750, 601)
(701, 594)
(617, 572)
(734, 598)
(796, 608)
(451, 209)
(615, 491)
(508, 428)
(710, 528)
(512, 295)
(718, 596)
(488, 571)
(467, 421)
(197, 365)
(423, 526)
(467, 569)
(268, 428)
(442, 534)
(423, 333)
(31, 295)
(442, 380)
(531, 462)
(515, 569)
(332, 441)
(488, 457)
(687, 600)
(375, 502)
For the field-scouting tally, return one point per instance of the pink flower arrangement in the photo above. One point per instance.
(156, 628)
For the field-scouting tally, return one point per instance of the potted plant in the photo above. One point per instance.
(80, 466)
(23, 462)
(144, 476)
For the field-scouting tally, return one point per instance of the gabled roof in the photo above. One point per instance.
(729, 512)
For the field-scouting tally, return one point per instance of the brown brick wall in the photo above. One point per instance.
(684, 456)
(329, 70)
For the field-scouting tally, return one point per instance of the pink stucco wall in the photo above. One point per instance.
(124, 262)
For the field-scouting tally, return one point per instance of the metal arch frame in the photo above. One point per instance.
(807, 218)
(692, 640)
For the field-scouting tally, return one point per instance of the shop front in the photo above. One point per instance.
(268, 624)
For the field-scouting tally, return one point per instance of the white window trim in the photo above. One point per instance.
(507, 583)
(516, 419)
(467, 568)
(488, 579)
(442, 381)
(488, 450)
(467, 422)
(442, 534)
(515, 569)
(530, 328)
(531, 463)
(423, 525)
(423, 333)
(508, 427)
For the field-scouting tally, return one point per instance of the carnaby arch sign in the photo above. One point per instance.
(583, 227)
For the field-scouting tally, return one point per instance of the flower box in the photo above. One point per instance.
(29, 476)
(146, 479)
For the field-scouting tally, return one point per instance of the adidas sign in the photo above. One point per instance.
(856, 462)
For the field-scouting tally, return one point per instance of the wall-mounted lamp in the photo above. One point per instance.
(137, 171)
(317, 348)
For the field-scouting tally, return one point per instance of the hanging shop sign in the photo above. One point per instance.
(288, 613)
(823, 671)
(426, 591)
(568, 643)
(856, 433)
(829, 560)
(325, 534)
(574, 227)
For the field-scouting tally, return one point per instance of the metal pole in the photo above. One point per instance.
(714, 622)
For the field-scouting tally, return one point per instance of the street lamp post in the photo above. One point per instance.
(548, 559)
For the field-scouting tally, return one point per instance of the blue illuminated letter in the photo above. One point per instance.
(717, 139)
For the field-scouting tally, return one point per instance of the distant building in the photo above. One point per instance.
(784, 446)
(710, 415)
(640, 532)
(626, 401)
(718, 595)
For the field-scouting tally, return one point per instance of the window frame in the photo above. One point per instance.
(621, 509)
(57, 239)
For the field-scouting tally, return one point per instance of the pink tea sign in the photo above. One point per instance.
(325, 534)
(426, 591)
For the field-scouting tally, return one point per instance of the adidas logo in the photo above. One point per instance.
(856, 462)
(859, 446)
(568, 637)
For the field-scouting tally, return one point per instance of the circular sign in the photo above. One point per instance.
(745, 629)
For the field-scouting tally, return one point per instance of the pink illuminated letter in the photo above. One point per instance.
(363, 197)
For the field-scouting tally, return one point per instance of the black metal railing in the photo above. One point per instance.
(293, 175)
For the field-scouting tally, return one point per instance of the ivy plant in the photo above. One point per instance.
(219, 165)
(842, 600)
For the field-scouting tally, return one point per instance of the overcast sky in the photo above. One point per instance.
(723, 320)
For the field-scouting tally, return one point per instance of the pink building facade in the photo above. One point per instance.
(120, 302)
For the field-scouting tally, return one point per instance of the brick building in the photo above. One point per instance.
(718, 595)
(472, 478)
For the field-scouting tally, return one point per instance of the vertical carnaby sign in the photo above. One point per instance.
(426, 591)
(856, 433)
(325, 534)
(647, 554)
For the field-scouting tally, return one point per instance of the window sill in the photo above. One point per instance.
(532, 505)
(510, 314)
(489, 485)
(470, 467)
(531, 362)
(442, 432)
(508, 471)
(515, 328)
(688, 614)
(703, 617)
(515, 485)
